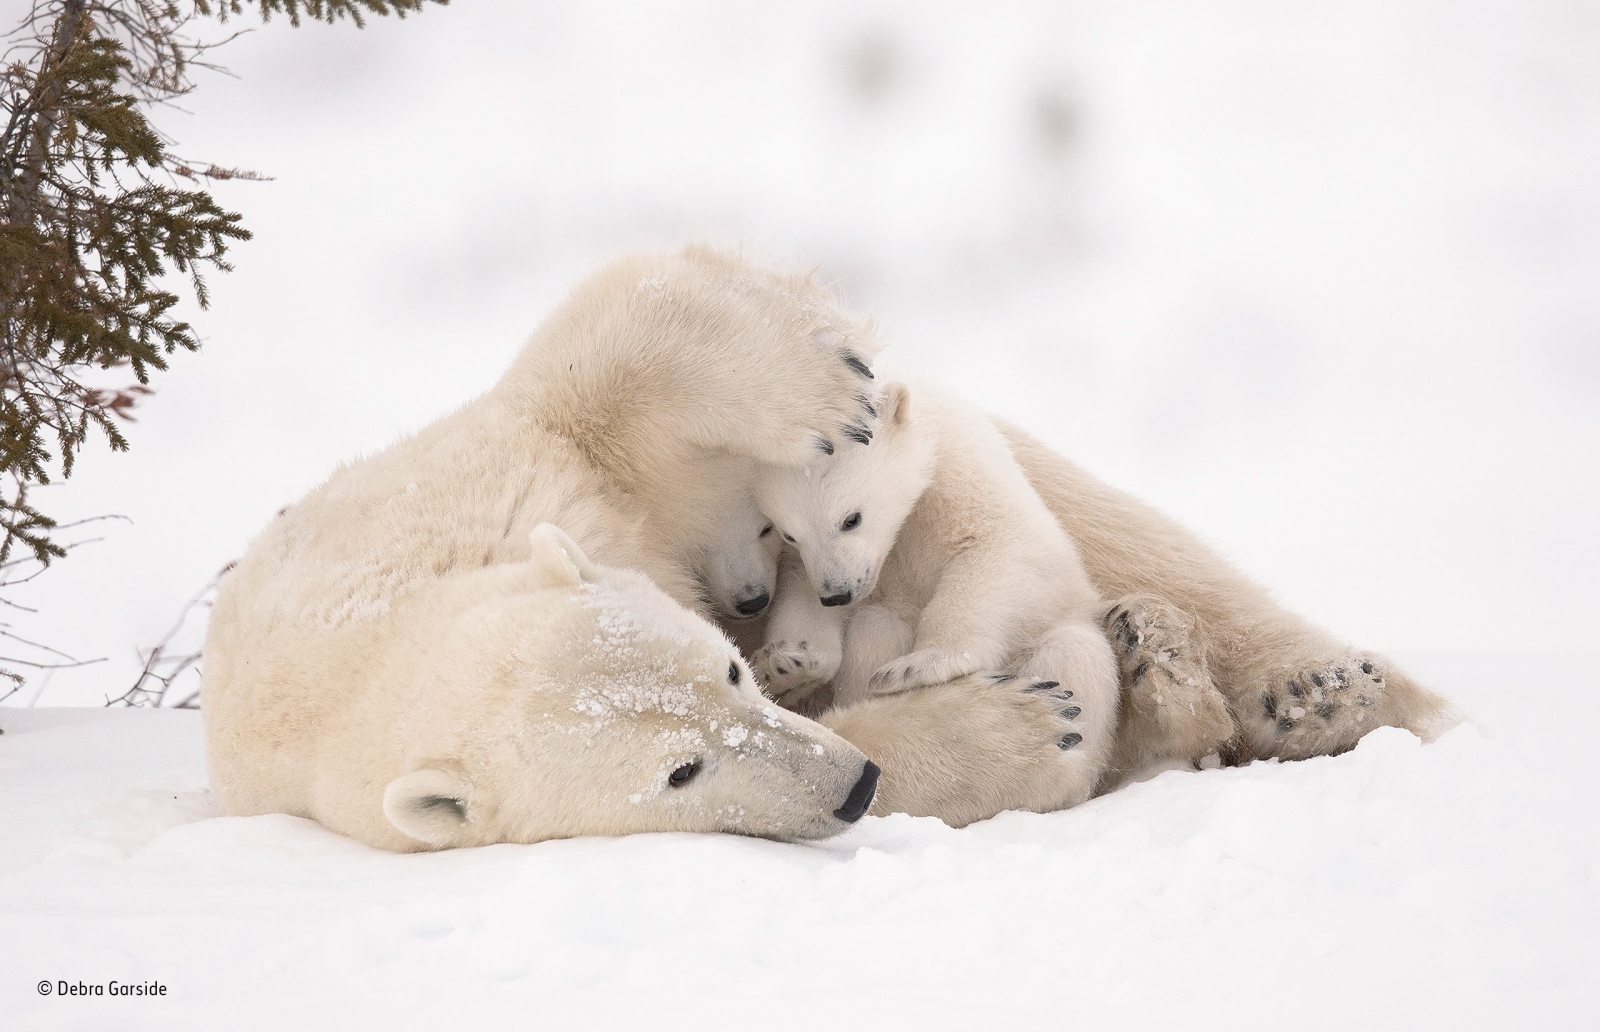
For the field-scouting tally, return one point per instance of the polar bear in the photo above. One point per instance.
(1211, 663)
(1212, 667)
(925, 556)
(415, 655)
(739, 573)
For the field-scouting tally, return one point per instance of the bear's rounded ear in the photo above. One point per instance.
(896, 402)
(559, 560)
(428, 805)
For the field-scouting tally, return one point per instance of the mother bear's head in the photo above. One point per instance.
(578, 699)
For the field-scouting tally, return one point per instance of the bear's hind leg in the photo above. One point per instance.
(1171, 708)
(1324, 710)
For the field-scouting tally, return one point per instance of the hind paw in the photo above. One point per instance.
(1172, 708)
(1322, 709)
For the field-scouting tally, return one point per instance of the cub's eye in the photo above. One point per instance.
(788, 539)
(733, 673)
(683, 775)
(851, 522)
(765, 531)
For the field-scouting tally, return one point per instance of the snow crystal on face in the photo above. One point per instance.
(735, 736)
(636, 653)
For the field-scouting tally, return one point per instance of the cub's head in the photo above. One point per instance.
(575, 699)
(844, 512)
(740, 571)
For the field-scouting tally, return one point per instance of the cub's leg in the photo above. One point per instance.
(1171, 708)
(1076, 657)
(968, 749)
(973, 621)
(874, 636)
(805, 639)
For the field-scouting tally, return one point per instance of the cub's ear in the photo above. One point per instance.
(896, 404)
(559, 560)
(428, 805)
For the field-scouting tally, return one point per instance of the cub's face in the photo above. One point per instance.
(740, 571)
(843, 514)
(607, 708)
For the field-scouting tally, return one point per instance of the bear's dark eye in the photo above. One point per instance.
(788, 539)
(733, 673)
(851, 522)
(765, 530)
(684, 774)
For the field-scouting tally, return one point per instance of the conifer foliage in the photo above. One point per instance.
(101, 222)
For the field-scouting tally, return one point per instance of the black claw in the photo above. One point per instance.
(1071, 712)
(1343, 680)
(1049, 688)
(857, 433)
(859, 366)
(1295, 689)
(1366, 668)
(1316, 679)
(1269, 704)
(866, 403)
(1070, 739)
(1285, 724)
(1325, 711)
(1001, 678)
(824, 446)
(1139, 672)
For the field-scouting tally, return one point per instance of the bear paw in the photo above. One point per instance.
(1320, 711)
(845, 406)
(792, 670)
(1172, 708)
(920, 669)
(970, 748)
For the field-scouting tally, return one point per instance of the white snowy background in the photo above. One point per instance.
(1321, 281)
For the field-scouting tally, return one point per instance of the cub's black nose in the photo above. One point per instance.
(861, 796)
(841, 599)
(753, 606)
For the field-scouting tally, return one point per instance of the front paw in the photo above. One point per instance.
(920, 669)
(850, 411)
(793, 668)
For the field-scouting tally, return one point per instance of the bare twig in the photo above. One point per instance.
(162, 668)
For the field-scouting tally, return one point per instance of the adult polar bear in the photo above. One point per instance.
(416, 656)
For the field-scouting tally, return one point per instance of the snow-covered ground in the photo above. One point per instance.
(1321, 281)
(1400, 886)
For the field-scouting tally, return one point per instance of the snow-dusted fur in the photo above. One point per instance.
(416, 656)
(926, 556)
(1211, 663)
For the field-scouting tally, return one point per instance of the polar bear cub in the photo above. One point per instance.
(925, 555)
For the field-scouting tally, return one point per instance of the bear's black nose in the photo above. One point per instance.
(752, 606)
(860, 796)
(841, 599)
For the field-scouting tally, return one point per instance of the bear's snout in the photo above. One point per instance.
(860, 797)
(753, 606)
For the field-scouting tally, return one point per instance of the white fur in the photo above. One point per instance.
(952, 565)
(1212, 664)
(740, 569)
(414, 655)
